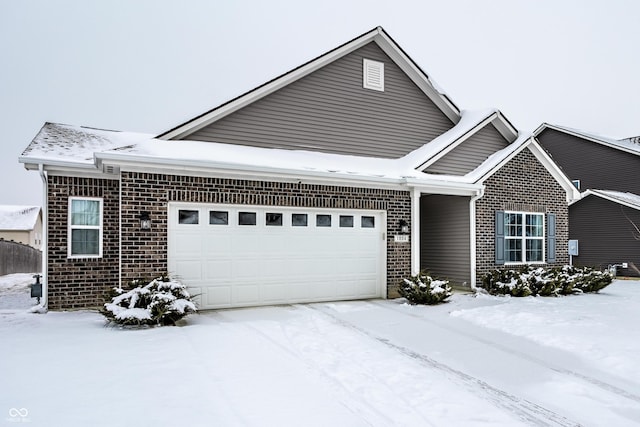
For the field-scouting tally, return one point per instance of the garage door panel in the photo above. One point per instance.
(233, 265)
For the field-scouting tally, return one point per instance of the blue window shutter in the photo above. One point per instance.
(500, 237)
(551, 237)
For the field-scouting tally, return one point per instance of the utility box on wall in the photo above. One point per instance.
(573, 247)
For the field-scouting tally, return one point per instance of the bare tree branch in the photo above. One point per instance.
(636, 229)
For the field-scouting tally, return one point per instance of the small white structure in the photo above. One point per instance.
(21, 224)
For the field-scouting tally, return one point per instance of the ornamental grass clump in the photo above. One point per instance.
(162, 301)
(553, 281)
(423, 289)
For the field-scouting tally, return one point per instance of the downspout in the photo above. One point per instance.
(45, 238)
(472, 234)
(415, 231)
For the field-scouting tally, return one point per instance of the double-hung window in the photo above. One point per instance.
(85, 227)
(524, 237)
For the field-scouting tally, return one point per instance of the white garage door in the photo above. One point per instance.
(234, 256)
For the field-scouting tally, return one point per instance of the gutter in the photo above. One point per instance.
(199, 166)
(45, 239)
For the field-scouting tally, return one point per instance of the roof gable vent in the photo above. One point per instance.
(373, 75)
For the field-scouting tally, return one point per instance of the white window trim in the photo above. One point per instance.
(367, 83)
(524, 238)
(71, 227)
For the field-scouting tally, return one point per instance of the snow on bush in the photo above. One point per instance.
(163, 301)
(423, 289)
(529, 280)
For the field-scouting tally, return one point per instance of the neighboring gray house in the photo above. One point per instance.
(606, 170)
(331, 182)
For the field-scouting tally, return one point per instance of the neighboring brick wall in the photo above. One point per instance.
(144, 253)
(80, 283)
(523, 184)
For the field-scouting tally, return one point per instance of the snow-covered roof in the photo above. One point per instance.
(76, 145)
(18, 218)
(630, 145)
(628, 199)
(82, 147)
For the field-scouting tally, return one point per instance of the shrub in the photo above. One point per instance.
(161, 301)
(423, 289)
(541, 281)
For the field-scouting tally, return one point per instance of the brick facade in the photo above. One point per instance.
(83, 283)
(523, 184)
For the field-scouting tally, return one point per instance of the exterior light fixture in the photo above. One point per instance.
(404, 226)
(145, 221)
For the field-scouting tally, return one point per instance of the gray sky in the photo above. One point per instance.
(148, 65)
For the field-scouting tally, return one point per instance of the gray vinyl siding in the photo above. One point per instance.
(329, 110)
(596, 166)
(471, 153)
(604, 234)
(445, 237)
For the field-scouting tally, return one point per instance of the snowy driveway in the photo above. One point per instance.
(379, 363)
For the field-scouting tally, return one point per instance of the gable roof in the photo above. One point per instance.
(622, 198)
(629, 145)
(64, 147)
(377, 35)
(18, 218)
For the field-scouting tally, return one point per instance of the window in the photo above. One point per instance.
(346, 221)
(85, 228)
(323, 220)
(367, 222)
(274, 219)
(299, 220)
(576, 183)
(218, 217)
(188, 217)
(246, 218)
(373, 75)
(524, 237)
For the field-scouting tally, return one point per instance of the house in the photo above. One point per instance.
(331, 182)
(605, 218)
(22, 224)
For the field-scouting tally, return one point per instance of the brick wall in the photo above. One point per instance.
(144, 253)
(523, 184)
(80, 283)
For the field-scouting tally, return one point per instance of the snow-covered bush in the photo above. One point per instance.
(554, 281)
(162, 301)
(423, 289)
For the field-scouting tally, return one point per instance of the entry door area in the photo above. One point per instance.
(235, 256)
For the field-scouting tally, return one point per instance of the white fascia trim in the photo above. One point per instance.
(33, 163)
(584, 136)
(422, 80)
(382, 40)
(606, 197)
(149, 164)
(444, 187)
(278, 83)
(457, 142)
(505, 128)
(572, 192)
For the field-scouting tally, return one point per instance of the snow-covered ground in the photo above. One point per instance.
(476, 361)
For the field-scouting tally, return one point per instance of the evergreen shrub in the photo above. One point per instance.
(423, 289)
(161, 301)
(550, 281)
